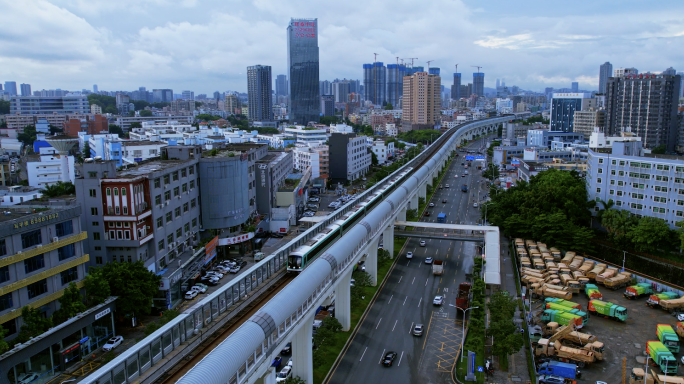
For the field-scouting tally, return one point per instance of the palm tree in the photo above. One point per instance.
(606, 206)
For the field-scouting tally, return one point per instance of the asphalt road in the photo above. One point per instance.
(406, 300)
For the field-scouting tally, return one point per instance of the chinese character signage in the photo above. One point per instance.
(35, 220)
(304, 29)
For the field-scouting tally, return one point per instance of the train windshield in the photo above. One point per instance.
(294, 262)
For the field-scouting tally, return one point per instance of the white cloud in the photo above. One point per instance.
(206, 45)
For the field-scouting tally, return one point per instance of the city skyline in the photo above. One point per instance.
(542, 48)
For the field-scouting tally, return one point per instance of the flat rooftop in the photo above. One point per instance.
(145, 168)
(8, 214)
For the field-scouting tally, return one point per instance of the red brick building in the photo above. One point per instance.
(86, 123)
(127, 212)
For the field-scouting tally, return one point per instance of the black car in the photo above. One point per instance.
(444, 201)
(287, 350)
(389, 358)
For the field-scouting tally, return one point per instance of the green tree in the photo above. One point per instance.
(96, 287)
(327, 120)
(618, 223)
(207, 117)
(518, 211)
(659, 150)
(491, 173)
(4, 107)
(400, 145)
(107, 103)
(59, 189)
(28, 136)
(115, 129)
(135, 124)
(70, 304)
(649, 233)
(86, 149)
(134, 284)
(4, 347)
(362, 278)
(145, 113)
(389, 107)
(374, 158)
(294, 380)
(35, 323)
(499, 131)
(54, 130)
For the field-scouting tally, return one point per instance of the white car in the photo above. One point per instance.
(26, 378)
(198, 289)
(474, 205)
(284, 374)
(422, 243)
(191, 294)
(113, 343)
(439, 300)
(455, 175)
(409, 255)
(432, 205)
(428, 260)
(214, 273)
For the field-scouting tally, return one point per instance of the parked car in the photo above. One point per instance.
(284, 374)
(389, 358)
(214, 273)
(409, 255)
(309, 214)
(418, 330)
(235, 269)
(438, 300)
(113, 343)
(203, 287)
(191, 294)
(428, 260)
(551, 379)
(211, 280)
(287, 350)
(198, 288)
(28, 377)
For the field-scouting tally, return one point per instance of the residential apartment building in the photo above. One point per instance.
(352, 158)
(375, 83)
(382, 150)
(182, 106)
(125, 122)
(38, 105)
(644, 186)
(563, 107)
(316, 157)
(126, 152)
(48, 171)
(647, 104)
(586, 121)
(259, 89)
(421, 101)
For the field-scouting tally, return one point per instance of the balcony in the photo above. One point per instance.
(143, 212)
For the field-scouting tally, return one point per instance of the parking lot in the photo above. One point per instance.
(621, 340)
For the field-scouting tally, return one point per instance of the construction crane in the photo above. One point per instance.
(456, 68)
(428, 63)
(411, 58)
(478, 67)
(376, 57)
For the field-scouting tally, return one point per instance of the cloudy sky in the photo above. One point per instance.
(206, 45)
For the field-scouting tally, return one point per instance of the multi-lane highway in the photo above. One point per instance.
(406, 299)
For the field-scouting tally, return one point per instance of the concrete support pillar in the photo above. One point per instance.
(372, 259)
(414, 202)
(343, 300)
(388, 239)
(302, 354)
(269, 377)
(422, 191)
(402, 214)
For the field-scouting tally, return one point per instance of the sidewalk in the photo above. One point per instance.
(517, 363)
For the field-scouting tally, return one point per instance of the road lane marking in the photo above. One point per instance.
(390, 300)
(376, 327)
(426, 281)
(440, 281)
(409, 262)
(421, 300)
(382, 356)
(401, 277)
(405, 300)
(411, 329)
(414, 279)
(402, 355)
(438, 290)
(364, 352)
(426, 333)
(395, 325)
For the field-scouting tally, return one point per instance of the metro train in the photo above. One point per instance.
(301, 257)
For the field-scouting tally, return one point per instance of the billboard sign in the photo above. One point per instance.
(210, 250)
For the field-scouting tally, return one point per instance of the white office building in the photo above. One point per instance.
(48, 170)
(382, 150)
(305, 135)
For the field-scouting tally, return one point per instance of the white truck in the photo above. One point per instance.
(437, 267)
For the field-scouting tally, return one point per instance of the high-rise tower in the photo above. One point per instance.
(478, 83)
(302, 61)
(421, 101)
(281, 85)
(260, 104)
(605, 71)
(456, 88)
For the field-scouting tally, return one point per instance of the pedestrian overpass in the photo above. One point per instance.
(245, 356)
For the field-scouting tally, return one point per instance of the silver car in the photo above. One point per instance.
(418, 330)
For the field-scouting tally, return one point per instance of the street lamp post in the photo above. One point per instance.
(624, 255)
(463, 327)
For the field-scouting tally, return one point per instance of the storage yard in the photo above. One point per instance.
(610, 315)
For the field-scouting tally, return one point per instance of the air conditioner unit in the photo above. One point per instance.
(166, 187)
(178, 197)
(167, 203)
(55, 239)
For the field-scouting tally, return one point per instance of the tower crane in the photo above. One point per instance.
(411, 58)
(456, 68)
(428, 63)
(376, 57)
(478, 67)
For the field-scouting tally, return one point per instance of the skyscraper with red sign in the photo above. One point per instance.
(302, 61)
